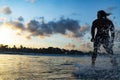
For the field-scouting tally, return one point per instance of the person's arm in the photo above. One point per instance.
(112, 29)
(93, 32)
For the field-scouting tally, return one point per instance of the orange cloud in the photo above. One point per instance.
(70, 46)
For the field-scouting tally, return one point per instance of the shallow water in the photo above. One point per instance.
(45, 67)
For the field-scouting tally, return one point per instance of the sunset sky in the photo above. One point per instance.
(52, 23)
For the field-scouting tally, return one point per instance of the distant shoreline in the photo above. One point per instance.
(5, 49)
(55, 54)
(49, 54)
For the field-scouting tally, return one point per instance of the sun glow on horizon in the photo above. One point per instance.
(11, 37)
(7, 35)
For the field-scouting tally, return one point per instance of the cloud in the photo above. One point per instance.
(38, 29)
(84, 28)
(66, 24)
(59, 27)
(82, 31)
(75, 14)
(66, 27)
(20, 18)
(15, 25)
(86, 46)
(5, 10)
(70, 46)
(110, 9)
(31, 1)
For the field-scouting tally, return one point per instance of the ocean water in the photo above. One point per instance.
(54, 67)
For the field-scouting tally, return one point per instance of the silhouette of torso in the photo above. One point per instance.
(103, 26)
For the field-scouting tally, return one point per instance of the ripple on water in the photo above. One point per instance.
(23, 67)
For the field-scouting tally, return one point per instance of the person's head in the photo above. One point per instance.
(101, 14)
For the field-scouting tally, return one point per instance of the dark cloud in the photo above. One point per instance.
(82, 31)
(37, 28)
(20, 18)
(59, 27)
(5, 10)
(63, 25)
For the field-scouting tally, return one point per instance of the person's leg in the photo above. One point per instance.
(94, 54)
(112, 57)
(109, 49)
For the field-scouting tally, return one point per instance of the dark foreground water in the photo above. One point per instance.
(46, 67)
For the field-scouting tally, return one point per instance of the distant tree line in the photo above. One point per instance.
(26, 50)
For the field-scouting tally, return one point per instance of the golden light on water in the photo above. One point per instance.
(22, 67)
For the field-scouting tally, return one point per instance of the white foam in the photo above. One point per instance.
(89, 71)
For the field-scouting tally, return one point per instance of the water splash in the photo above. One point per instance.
(88, 72)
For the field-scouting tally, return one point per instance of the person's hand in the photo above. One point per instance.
(92, 40)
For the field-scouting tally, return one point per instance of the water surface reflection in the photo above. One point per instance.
(24, 67)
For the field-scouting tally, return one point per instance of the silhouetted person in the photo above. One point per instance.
(104, 34)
